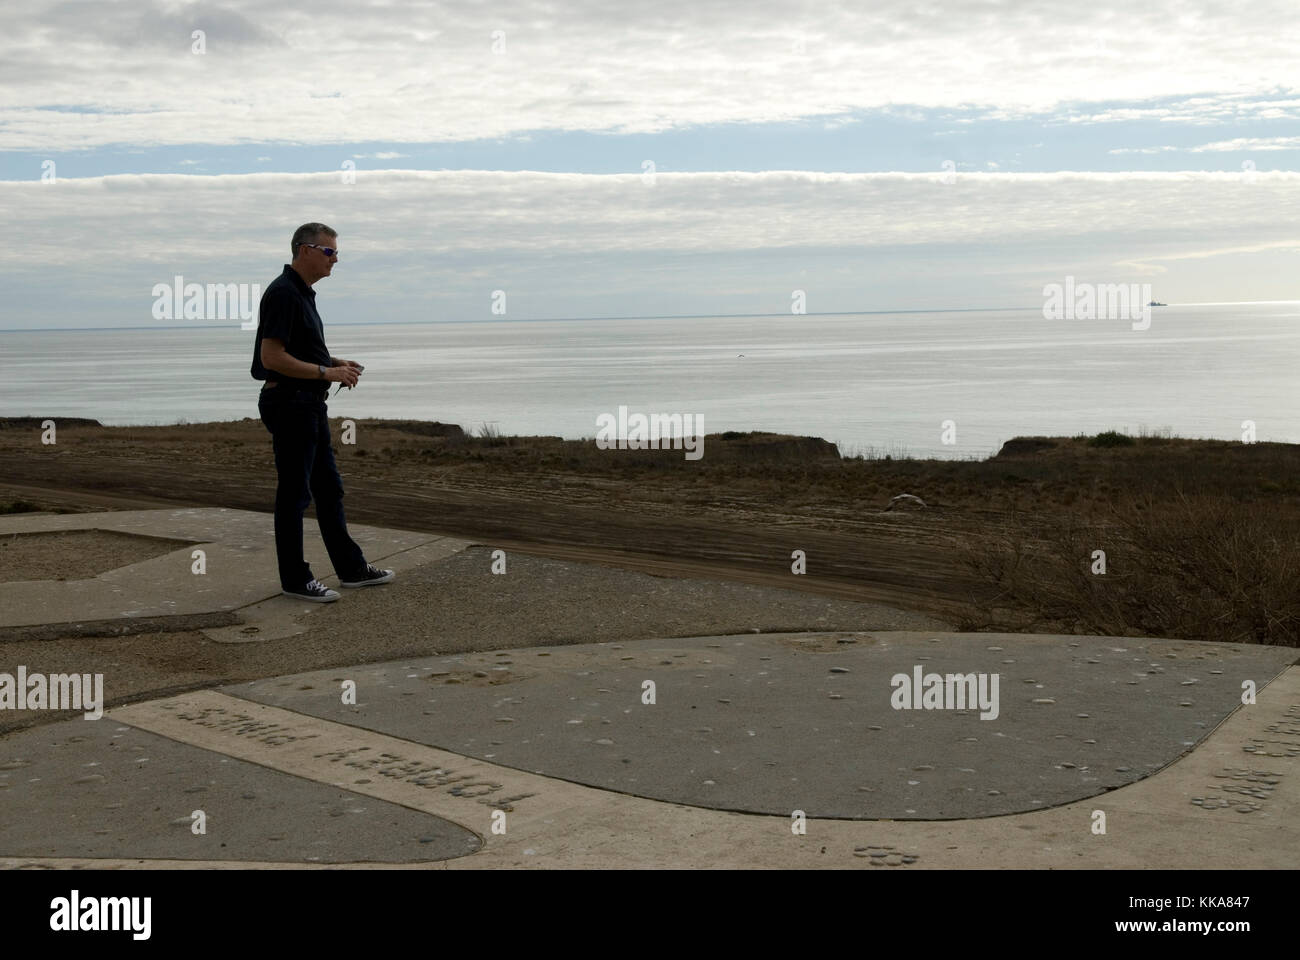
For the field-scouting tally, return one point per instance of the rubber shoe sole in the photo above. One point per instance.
(387, 576)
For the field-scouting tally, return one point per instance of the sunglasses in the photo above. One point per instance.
(328, 251)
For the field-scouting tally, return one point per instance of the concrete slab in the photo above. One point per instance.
(776, 723)
(104, 790)
(557, 746)
(239, 561)
(279, 616)
(1152, 824)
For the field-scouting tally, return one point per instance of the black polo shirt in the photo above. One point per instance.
(288, 313)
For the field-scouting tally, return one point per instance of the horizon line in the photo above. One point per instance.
(663, 316)
(657, 316)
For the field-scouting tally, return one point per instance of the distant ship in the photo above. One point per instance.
(1157, 303)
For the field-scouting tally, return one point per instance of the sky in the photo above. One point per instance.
(588, 159)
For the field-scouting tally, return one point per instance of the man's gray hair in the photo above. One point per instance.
(310, 233)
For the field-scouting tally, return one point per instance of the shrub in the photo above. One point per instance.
(1111, 438)
(1191, 567)
(19, 506)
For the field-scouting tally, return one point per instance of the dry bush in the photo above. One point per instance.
(1199, 567)
(1217, 569)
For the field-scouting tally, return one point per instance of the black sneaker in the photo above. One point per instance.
(314, 591)
(367, 577)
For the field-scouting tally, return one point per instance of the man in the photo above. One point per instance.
(290, 355)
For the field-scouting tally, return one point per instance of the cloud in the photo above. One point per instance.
(1198, 111)
(1144, 150)
(135, 25)
(1292, 246)
(1249, 143)
(151, 217)
(1236, 145)
(339, 72)
(617, 245)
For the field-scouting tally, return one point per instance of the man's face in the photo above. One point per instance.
(314, 259)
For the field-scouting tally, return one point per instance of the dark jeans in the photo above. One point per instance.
(304, 461)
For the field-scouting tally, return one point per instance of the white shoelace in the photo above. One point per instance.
(315, 585)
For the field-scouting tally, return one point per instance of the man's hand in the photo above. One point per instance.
(346, 374)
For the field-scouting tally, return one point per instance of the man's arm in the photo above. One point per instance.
(277, 359)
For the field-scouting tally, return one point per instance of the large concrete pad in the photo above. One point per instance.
(557, 747)
(99, 789)
(777, 723)
(239, 569)
(1164, 821)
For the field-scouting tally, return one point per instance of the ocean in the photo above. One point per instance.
(899, 383)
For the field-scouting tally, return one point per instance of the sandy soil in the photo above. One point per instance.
(74, 554)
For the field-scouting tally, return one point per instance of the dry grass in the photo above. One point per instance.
(1196, 566)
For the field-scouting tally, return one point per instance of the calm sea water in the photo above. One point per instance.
(884, 382)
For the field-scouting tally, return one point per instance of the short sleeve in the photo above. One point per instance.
(277, 313)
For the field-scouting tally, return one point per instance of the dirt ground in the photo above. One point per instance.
(74, 554)
(1201, 535)
(906, 559)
